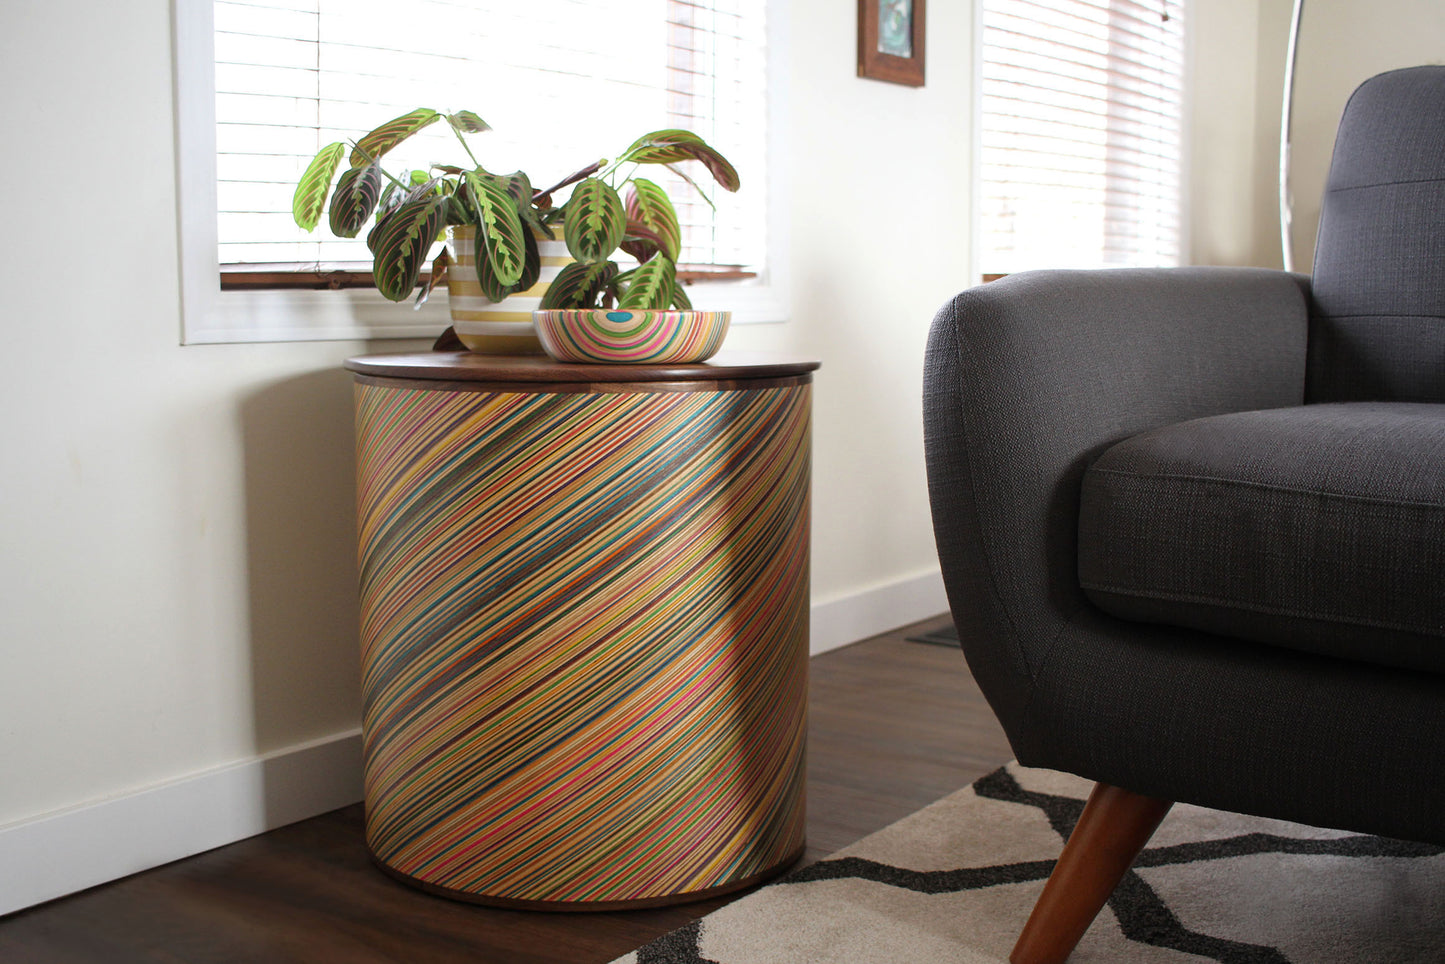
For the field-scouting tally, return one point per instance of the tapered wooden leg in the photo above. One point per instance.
(1114, 827)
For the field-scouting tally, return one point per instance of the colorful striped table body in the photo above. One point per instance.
(584, 612)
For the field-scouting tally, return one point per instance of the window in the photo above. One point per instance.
(561, 82)
(1080, 134)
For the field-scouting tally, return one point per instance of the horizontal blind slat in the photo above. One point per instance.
(292, 76)
(1080, 104)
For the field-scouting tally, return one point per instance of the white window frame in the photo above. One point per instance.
(212, 316)
(1186, 133)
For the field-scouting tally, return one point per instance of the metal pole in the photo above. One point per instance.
(1286, 201)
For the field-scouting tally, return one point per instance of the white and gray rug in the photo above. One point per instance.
(955, 882)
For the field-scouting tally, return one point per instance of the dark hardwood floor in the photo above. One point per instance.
(893, 726)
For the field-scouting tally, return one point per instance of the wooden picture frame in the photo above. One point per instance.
(893, 55)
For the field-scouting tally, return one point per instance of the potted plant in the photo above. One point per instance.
(509, 223)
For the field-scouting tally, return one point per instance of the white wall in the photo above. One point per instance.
(879, 180)
(177, 586)
(177, 592)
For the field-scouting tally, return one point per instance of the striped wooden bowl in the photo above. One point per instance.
(631, 337)
(497, 327)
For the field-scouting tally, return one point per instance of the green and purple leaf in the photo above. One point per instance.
(579, 284)
(310, 197)
(466, 122)
(652, 285)
(377, 142)
(532, 266)
(391, 197)
(651, 222)
(531, 270)
(439, 267)
(355, 197)
(680, 300)
(671, 146)
(520, 187)
(499, 225)
(595, 221)
(400, 244)
(461, 208)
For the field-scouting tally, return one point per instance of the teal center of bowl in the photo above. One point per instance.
(619, 316)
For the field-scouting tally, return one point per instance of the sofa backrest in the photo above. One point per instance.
(1377, 326)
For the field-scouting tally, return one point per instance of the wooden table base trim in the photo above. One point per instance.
(594, 906)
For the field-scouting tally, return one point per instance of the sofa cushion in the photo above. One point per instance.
(1319, 528)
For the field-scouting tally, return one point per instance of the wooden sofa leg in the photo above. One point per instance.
(1114, 827)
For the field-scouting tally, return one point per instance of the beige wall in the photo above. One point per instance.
(176, 590)
(1340, 45)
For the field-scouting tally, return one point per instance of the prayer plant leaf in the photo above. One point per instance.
(680, 300)
(373, 145)
(651, 218)
(467, 122)
(595, 221)
(532, 267)
(391, 196)
(355, 197)
(439, 266)
(520, 187)
(460, 211)
(499, 227)
(652, 285)
(672, 145)
(310, 197)
(400, 244)
(579, 284)
(531, 270)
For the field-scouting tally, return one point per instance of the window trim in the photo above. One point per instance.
(215, 314)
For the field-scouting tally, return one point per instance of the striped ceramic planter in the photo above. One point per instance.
(497, 327)
(635, 337)
(584, 637)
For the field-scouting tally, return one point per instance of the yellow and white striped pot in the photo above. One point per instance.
(497, 327)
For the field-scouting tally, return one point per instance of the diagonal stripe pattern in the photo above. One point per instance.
(584, 637)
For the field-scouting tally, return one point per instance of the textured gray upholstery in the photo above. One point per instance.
(1378, 325)
(1320, 527)
(1030, 379)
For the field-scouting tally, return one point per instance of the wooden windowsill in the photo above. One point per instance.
(335, 275)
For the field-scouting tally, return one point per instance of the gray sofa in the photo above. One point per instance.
(1192, 521)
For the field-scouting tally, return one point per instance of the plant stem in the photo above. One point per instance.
(371, 160)
(466, 147)
(672, 166)
(572, 178)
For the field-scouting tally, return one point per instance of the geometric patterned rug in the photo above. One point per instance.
(955, 882)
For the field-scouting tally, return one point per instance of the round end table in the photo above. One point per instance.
(584, 611)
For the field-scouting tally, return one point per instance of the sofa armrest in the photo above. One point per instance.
(1029, 378)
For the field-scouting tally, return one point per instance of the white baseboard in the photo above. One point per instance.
(858, 615)
(69, 850)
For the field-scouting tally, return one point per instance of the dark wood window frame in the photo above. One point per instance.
(335, 275)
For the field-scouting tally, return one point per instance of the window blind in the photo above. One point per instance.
(562, 83)
(1081, 133)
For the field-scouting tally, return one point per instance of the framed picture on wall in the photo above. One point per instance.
(891, 41)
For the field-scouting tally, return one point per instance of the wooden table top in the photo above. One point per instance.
(462, 366)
